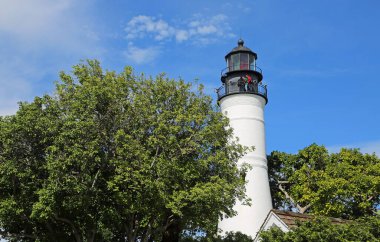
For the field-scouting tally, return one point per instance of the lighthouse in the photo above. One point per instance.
(242, 98)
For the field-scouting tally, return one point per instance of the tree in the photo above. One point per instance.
(116, 157)
(321, 229)
(227, 237)
(344, 184)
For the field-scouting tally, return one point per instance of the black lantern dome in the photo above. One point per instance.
(242, 74)
(241, 49)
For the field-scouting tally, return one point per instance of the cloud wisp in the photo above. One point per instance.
(198, 31)
(37, 38)
(40, 24)
(141, 55)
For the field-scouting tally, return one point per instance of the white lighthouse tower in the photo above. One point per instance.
(242, 99)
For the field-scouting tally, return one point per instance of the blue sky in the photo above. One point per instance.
(320, 59)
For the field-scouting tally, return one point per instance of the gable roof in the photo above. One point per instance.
(291, 218)
(286, 220)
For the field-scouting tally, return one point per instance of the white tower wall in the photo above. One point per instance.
(246, 115)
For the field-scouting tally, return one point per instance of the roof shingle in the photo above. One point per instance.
(291, 218)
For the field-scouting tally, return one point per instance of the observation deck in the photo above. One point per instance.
(242, 75)
(257, 89)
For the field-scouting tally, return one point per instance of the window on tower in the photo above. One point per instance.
(244, 61)
(241, 61)
(252, 62)
(235, 59)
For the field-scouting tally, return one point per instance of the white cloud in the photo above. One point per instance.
(208, 29)
(141, 55)
(141, 25)
(245, 8)
(201, 30)
(35, 25)
(25, 17)
(365, 147)
(182, 35)
(38, 38)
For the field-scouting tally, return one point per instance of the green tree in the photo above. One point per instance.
(344, 184)
(116, 157)
(321, 229)
(228, 237)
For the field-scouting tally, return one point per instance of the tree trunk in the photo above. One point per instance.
(171, 234)
(91, 235)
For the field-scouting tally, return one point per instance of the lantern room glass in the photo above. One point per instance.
(252, 62)
(241, 61)
(244, 61)
(235, 62)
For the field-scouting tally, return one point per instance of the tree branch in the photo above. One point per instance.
(13, 235)
(91, 235)
(130, 228)
(75, 230)
(287, 196)
(95, 178)
(305, 208)
(147, 234)
(52, 233)
(154, 158)
(169, 221)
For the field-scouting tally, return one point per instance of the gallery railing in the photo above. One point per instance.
(257, 89)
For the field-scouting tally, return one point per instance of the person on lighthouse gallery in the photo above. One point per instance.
(241, 84)
(249, 83)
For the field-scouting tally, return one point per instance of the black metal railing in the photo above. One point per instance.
(257, 89)
(241, 67)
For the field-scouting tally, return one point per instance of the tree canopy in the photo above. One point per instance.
(344, 184)
(321, 229)
(116, 157)
(227, 237)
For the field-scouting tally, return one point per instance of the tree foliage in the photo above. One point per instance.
(227, 237)
(344, 184)
(321, 229)
(116, 157)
